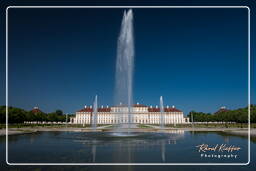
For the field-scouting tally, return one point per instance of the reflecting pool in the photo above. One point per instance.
(139, 147)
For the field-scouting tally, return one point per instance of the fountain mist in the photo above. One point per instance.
(95, 113)
(125, 66)
(161, 112)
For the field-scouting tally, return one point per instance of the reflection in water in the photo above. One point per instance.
(226, 139)
(130, 159)
(94, 152)
(163, 150)
(32, 139)
(102, 147)
(128, 146)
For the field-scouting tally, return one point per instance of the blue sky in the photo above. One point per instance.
(195, 58)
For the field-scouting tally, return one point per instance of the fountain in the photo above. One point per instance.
(161, 112)
(124, 69)
(95, 113)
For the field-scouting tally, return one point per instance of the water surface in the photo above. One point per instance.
(106, 147)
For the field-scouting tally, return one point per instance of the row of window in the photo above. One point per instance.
(177, 120)
(135, 117)
(146, 112)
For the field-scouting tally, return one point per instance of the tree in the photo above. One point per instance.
(2, 114)
(16, 115)
(59, 112)
(40, 116)
(253, 113)
(53, 117)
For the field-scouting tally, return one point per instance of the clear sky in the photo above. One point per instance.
(61, 58)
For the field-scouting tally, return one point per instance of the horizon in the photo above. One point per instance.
(63, 62)
(149, 106)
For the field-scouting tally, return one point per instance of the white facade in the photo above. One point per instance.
(140, 114)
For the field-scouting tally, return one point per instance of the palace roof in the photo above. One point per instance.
(221, 110)
(135, 105)
(139, 105)
(150, 109)
(165, 110)
(172, 110)
(87, 109)
(104, 109)
(36, 110)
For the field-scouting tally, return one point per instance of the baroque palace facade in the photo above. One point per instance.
(139, 114)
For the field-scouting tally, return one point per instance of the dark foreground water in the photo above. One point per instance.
(92, 147)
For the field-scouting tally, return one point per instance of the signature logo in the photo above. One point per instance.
(217, 148)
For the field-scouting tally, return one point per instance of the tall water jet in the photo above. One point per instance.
(124, 67)
(95, 113)
(161, 112)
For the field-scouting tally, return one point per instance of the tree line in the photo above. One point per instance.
(17, 115)
(238, 116)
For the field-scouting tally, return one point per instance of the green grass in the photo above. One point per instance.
(232, 125)
(21, 125)
(144, 126)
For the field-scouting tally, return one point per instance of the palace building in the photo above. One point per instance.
(139, 114)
